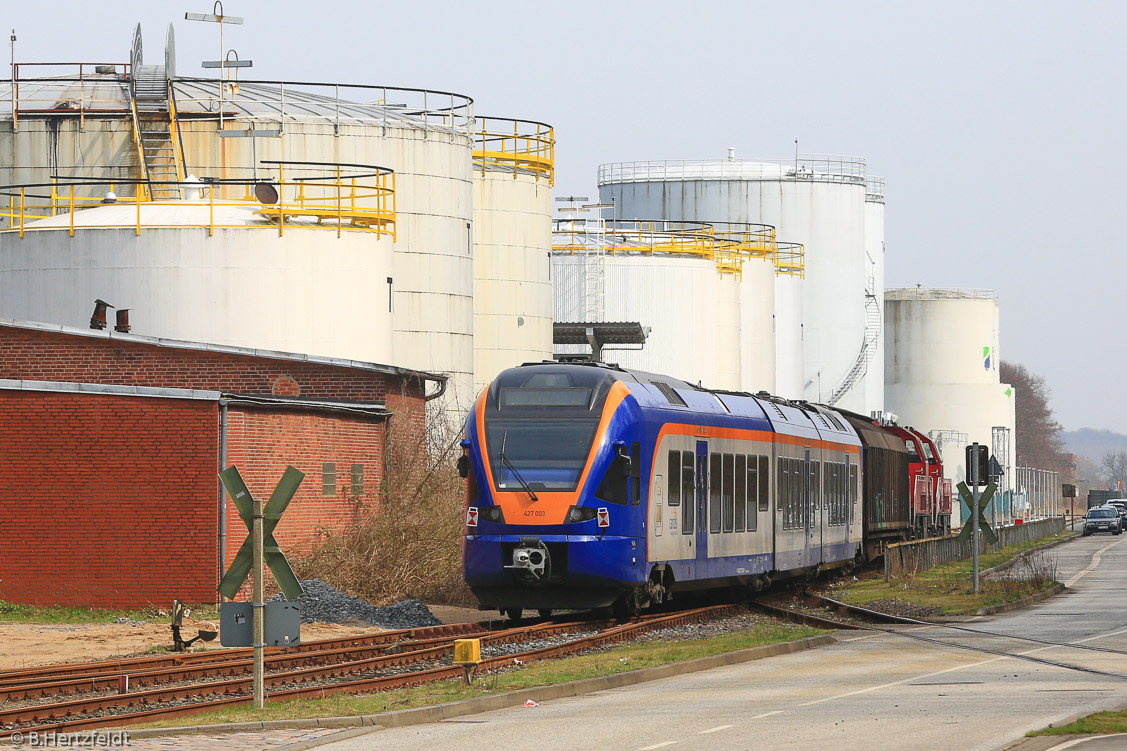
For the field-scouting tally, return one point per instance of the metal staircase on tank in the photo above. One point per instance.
(860, 366)
(153, 130)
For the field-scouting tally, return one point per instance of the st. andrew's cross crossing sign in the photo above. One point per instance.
(233, 580)
(983, 502)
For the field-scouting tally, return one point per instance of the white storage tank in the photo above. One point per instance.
(241, 284)
(941, 368)
(874, 281)
(514, 169)
(817, 201)
(789, 281)
(664, 276)
(81, 122)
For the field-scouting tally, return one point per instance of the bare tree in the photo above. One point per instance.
(1038, 434)
(1114, 466)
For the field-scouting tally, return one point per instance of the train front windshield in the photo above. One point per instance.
(540, 424)
(547, 454)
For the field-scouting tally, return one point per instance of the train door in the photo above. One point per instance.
(812, 514)
(702, 508)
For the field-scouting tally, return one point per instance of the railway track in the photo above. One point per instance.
(121, 692)
(811, 602)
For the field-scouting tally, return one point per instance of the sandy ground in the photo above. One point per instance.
(25, 645)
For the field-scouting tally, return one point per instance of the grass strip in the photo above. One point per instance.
(949, 587)
(1100, 723)
(619, 659)
(14, 612)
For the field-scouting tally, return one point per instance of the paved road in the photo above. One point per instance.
(873, 691)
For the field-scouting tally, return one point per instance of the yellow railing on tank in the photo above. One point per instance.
(791, 260)
(729, 245)
(517, 145)
(283, 196)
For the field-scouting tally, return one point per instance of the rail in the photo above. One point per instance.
(278, 195)
(790, 260)
(520, 146)
(82, 91)
(364, 104)
(874, 189)
(935, 293)
(909, 558)
(812, 167)
(102, 89)
(729, 244)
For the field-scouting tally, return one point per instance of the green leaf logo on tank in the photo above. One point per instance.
(986, 357)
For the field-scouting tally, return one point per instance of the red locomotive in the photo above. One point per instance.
(930, 493)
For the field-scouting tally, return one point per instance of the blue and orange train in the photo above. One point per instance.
(590, 486)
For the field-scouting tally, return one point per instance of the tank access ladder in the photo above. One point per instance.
(154, 125)
(860, 365)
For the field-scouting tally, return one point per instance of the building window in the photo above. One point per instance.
(329, 478)
(357, 479)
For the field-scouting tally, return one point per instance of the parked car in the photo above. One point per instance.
(1102, 519)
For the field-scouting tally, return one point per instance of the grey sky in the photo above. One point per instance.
(998, 126)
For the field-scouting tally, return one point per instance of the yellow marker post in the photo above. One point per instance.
(467, 653)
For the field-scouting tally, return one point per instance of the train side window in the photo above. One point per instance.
(752, 493)
(741, 492)
(764, 483)
(727, 492)
(673, 498)
(635, 474)
(613, 488)
(715, 468)
(688, 492)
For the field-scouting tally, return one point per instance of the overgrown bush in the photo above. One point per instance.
(408, 539)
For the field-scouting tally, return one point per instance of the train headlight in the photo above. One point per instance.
(579, 514)
(491, 514)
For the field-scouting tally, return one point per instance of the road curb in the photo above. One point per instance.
(419, 715)
(1005, 607)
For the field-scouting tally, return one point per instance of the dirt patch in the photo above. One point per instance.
(24, 645)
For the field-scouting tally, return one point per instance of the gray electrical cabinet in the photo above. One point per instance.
(236, 624)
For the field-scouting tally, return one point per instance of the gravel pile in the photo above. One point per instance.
(894, 606)
(325, 604)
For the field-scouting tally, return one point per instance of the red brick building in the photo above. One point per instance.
(111, 444)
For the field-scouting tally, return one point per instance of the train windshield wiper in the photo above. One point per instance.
(516, 472)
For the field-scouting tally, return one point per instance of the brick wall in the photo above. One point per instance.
(107, 500)
(262, 442)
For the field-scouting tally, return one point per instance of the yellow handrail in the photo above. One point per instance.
(330, 199)
(522, 146)
(144, 185)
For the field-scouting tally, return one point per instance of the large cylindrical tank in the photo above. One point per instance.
(82, 123)
(789, 285)
(941, 368)
(757, 325)
(245, 285)
(873, 379)
(816, 201)
(427, 142)
(514, 168)
(668, 282)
